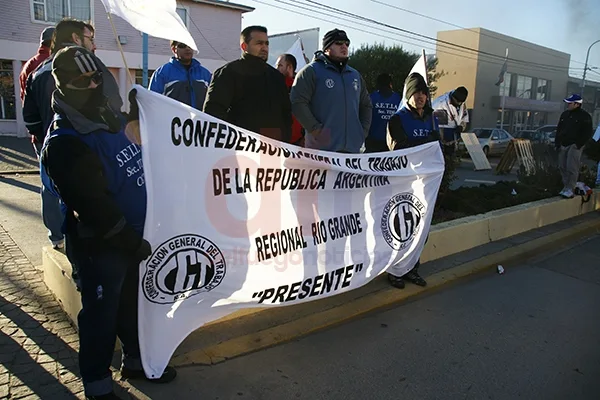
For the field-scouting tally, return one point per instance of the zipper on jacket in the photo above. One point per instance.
(345, 113)
(192, 94)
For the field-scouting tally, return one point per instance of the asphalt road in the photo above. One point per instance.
(532, 333)
(468, 176)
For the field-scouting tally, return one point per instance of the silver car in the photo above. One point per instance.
(493, 141)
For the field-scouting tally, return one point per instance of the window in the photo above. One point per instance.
(139, 76)
(524, 86)
(505, 86)
(183, 14)
(542, 92)
(7, 91)
(55, 10)
(484, 133)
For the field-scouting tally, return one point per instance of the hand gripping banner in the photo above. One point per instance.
(237, 220)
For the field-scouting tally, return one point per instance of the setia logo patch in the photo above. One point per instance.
(330, 83)
(401, 220)
(181, 267)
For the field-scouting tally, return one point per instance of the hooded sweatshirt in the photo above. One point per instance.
(334, 100)
(98, 174)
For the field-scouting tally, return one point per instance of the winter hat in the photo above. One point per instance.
(333, 36)
(71, 62)
(415, 83)
(460, 94)
(47, 34)
(574, 98)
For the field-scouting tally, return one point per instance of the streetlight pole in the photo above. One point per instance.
(587, 57)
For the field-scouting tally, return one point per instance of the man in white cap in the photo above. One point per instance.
(572, 133)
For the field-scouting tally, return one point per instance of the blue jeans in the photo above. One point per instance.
(52, 214)
(109, 289)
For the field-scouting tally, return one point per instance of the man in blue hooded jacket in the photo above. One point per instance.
(183, 78)
(98, 174)
(330, 99)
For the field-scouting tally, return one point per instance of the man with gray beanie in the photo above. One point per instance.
(330, 99)
(98, 174)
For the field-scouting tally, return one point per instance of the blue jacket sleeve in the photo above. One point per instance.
(157, 83)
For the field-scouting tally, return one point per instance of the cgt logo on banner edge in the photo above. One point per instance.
(183, 266)
(401, 220)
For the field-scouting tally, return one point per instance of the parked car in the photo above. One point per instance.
(548, 133)
(493, 141)
(533, 136)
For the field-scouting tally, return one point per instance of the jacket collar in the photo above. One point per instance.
(195, 63)
(321, 57)
(80, 123)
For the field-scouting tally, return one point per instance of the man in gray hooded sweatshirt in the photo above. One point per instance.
(330, 99)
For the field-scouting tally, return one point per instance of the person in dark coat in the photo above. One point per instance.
(412, 125)
(250, 93)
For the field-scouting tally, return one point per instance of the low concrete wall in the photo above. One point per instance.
(444, 239)
(463, 234)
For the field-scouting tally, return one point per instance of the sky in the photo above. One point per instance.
(570, 26)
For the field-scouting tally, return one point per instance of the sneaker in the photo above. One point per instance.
(562, 191)
(415, 278)
(108, 396)
(58, 245)
(568, 194)
(396, 281)
(167, 376)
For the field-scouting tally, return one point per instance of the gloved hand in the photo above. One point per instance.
(134, 110)
(144, 251)
(132, 128)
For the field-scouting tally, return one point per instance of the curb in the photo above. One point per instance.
(372, 302)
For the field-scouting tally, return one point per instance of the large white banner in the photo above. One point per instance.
(238, 220)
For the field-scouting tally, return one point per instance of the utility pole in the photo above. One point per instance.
(585, 68)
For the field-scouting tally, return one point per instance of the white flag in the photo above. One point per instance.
(156, 18)
(297, 51)
(420, 67)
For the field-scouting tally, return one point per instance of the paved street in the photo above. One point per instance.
(532, 333)
(467, 175)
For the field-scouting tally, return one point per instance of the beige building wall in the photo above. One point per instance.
(479, 72)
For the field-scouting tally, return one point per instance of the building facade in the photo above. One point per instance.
(534, 85)
(215, 25)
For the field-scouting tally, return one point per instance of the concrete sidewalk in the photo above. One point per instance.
(17, 156)
(38, 345)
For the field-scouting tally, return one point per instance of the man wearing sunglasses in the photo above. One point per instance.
(38, 113)
(98, 174)
(183, 78)
(330, 99)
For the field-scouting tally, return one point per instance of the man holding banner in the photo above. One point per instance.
(98, 174)
(412, 125)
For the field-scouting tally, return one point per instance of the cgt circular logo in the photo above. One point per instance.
(401, 220)
(181, 267)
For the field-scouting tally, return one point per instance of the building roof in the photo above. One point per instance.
(226, 4)
(588, 82)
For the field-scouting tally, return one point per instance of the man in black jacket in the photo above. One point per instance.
(97, 172)
(572, 133)
(249, 92)
(38, 113)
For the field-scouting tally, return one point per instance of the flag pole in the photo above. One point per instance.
(120, 48)
(503, 94)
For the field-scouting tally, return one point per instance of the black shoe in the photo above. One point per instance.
(167, 376)
(415, 278)
(108, 396)
(396, 281)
